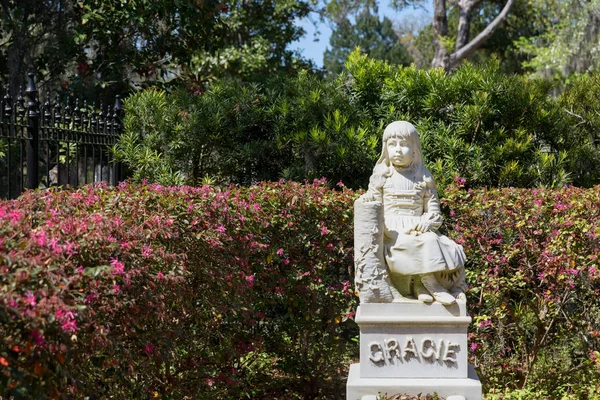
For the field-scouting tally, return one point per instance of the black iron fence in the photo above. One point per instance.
(58, 143)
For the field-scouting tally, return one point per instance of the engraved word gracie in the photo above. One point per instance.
(443, 350)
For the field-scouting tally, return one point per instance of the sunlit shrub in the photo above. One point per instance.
(493, 129)
(534, 270)
(180, 291)
(145, 290)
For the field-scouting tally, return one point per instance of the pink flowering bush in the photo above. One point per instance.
(149, 291)
(534, 271)
(145, 291)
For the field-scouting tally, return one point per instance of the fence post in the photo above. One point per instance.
(118, 129)
(33, 132)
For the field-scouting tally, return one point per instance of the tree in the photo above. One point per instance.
(449, 49)
(100, 47)
(446, 58)
(568, 42)
(418, 35)
(375, 37)
(253, 40)
(35, 35)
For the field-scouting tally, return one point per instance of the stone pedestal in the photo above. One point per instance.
(413, 347)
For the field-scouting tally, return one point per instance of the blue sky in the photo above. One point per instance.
(314, 50)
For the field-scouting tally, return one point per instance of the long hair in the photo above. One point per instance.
(383, 167)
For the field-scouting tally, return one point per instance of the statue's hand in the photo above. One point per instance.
(429, 222)
(368, 197)
(415, 231)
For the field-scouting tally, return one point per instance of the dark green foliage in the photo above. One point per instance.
(295, 128)
(375, 37)
(492, 129)
(581, 103)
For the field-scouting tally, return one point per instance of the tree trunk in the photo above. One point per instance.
(440, 30)
(464, 22)
(18, 49)
(15, 60)
(462, 50)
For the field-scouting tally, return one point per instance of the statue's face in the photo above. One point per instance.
(400, 151)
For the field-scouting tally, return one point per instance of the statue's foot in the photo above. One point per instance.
(422, 293)
(459, 295)
(439, 293)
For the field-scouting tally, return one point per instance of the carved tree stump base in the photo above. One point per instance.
(412, 348)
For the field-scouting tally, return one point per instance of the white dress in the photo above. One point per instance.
(406, 202)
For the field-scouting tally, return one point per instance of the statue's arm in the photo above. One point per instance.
(375, 190)
(432, 219)
(372, 195)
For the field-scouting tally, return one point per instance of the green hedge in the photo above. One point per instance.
(152, 291)
(493, 129)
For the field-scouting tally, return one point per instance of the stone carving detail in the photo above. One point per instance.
(442, 350)
(399, 252)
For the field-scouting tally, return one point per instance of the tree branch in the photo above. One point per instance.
(483, 35)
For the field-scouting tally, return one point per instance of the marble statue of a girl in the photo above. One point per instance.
(419, 260)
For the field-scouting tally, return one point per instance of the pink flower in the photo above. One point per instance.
(572, 271)
(80, 269)
(39, 238)
(474, 346)
(538, 202)
(147, 250)
(324, 230)
(70, 249)
(221, 229)
(38, 338)
(160, 276)
(116, 288)
(459, 181)
(53, 244)
(118, 267)
(346, 286)
(67, 320)
(63, 314)
(250, 280)
(69, 326)
(90, 298)
(286, 261)
(30, 299)
(149, 348)
(485, 323)
(15, 216)
(340, 183)
(280, 252)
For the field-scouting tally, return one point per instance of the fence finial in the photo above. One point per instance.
(7, 103)
(31, 93)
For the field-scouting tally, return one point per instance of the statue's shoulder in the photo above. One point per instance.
(428, 178)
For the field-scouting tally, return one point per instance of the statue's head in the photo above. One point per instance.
(405, 131)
